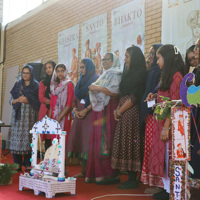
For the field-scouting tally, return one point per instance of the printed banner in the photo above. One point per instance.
(180, 23)
(128, 27)
(178, 180)
(94, 40)
(181, 133)
(68, 41)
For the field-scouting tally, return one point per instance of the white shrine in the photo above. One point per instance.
(39, 179)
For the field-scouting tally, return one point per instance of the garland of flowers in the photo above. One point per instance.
(163, 110)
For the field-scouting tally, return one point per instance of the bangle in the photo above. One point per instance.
(118, 114)
(166, 128)
(74, 109)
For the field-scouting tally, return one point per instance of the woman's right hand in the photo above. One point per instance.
(150, 97)
(164, 136)
(47, 101)
(82, 113)
(23, 99)
(115, 116)
(76, 112)
(15, 101)
(19, 100)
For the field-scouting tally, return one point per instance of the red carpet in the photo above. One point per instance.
(84, 191)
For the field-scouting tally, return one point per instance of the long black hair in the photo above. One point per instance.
(173, 62)
(47, 80)
(134, 78)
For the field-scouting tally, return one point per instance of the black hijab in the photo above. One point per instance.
(153, 79)
(134, 78)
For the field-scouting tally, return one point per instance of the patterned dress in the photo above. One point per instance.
(126, 155)
(20, 138)
(157, 153)
(146, 176)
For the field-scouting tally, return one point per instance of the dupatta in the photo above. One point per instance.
(30, 92)
(110, 79)
(60, 90)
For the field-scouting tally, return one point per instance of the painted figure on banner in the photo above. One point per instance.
(193, 21)
(181, 125)
(140, 40)
(93, 57)
(117, 54)
(74, 67)
(98, 58)
(180, 151)
(172, 3)
(88, 50)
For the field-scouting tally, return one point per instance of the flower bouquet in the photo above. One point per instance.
(163, 110)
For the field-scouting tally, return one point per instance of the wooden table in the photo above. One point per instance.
(4, 125)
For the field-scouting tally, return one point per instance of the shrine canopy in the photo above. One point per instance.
(47, 126)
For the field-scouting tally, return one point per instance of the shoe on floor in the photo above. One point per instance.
(153, 190)
(163, 195)
(109, 182)
(157, 194)
(129, 185)
(80, 175)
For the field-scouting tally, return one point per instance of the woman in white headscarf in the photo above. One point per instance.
(104, 99)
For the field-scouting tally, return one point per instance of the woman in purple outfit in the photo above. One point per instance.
(79, 138)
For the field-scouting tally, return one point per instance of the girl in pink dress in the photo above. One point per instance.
(172, 67)
(62, 94)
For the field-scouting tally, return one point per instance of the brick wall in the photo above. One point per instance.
(35, 38)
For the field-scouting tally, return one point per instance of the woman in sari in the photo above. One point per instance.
(25, 104)
(78, 144)
(62, 94)
(103, 97)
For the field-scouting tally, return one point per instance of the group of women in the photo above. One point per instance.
(113, 130)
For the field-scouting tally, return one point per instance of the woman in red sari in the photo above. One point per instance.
(62, 94)
(172, 71)
(103, 97)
